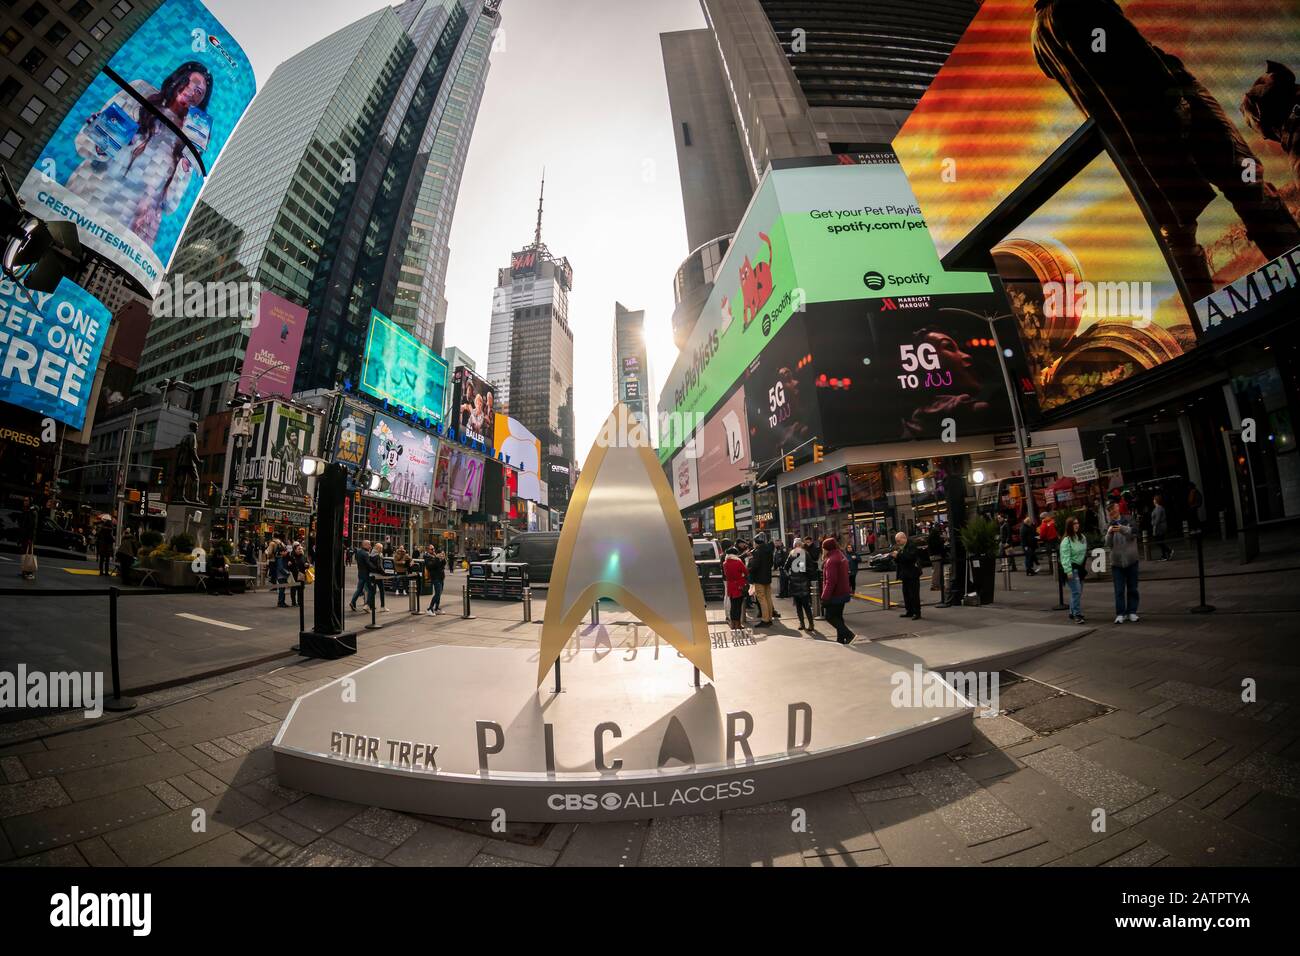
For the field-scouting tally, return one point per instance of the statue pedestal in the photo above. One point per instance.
(189, 518)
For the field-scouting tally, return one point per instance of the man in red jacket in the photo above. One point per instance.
(733, 569)
(835, 589)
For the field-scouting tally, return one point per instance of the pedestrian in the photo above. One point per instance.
(435, 565)
(796, 566)
(936, 548)
(1160, 526)
(378, 577)
(1048, 537)
(218, 573)
(104, 547)
(1029, 541)
(278, 569)
(402, 567)
(851, 555)
(29, 522)
(1074, 555)
(835, 589)
(871, 541)
(126, 553)
(779, 555)
(907, 561)
(1004, 540)
(760, 576)
(737, 577)
(362, 557)
(296, 566)
(1122, 541)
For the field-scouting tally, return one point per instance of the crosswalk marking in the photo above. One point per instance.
(209, 620)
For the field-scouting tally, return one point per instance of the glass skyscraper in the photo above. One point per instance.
(337, 192)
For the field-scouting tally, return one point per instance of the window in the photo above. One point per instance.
(8, 40)
(32, 61)
(101, 29)
(54, 82)
(35, 13)
(57, 34)
(9, 145)
(79, 9)
(9, 89)
(78, 53)
(33, 110)
(686, 133)
(122, 8)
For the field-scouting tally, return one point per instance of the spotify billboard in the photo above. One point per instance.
(845, 230)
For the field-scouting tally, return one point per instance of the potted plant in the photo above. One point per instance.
(980, 537)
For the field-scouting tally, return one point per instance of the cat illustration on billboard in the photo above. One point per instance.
(756, 283)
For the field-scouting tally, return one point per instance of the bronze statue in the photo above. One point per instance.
(186, 475)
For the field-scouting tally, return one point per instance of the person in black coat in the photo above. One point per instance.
(1004, 539)
(104, 547)
(1029, 541)
(907, 561)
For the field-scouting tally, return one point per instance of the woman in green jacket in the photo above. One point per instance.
(1074, 551)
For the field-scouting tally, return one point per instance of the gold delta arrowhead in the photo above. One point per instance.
(623, 538)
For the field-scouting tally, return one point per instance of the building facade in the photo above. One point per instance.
(336, 192)
(631, 371)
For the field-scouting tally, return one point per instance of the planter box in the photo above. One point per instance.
(984, 570)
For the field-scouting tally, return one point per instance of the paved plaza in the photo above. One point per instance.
(1145, 722)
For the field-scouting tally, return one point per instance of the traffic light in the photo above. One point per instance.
(818, 453)
(789, 462)
(162, 476)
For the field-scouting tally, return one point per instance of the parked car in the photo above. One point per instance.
(537, 550)
(708, 565)
(48, 534)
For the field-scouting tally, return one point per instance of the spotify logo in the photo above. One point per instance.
(873, 280)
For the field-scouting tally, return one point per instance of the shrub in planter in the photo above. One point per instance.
(980, 537)
(151, 539)
(182, 543)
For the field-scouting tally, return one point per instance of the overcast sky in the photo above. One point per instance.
(577, 88)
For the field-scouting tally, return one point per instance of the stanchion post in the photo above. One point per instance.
(528, 604)
(464, 604)
(302, 605)
(884, 591)
(117, 702)
(557, 673)
(595, 612)
(1201, 608)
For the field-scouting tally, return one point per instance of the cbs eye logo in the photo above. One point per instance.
(873, 280)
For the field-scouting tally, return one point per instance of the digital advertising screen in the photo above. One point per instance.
(524, 449)
(50, 344)
(354, 432)
(684, 478)
(723, 446)
(406, 457)
(781, 399)
(843, 231)
(271, 358)
(116, 167)
(442, 476)
(1194, 100)
(292, 436)
(398, 367)
(473, 408)
(466, 481)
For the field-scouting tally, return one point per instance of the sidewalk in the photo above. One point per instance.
(1144, 721)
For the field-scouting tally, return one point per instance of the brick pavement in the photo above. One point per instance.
(1182, 769)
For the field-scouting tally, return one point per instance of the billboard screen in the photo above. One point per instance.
(273, 346)
(781, 398)
(466, 481)
(50, 344)
(821, 233)
(442, 476)
(684, 478)
(524, 449)
(404, 456)
(473, 412)
(292, 437)
(1194, 105)
(354, 432)
(723, 445)
(117, 168)
(401, 369)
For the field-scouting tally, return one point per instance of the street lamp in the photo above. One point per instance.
(1012, 397)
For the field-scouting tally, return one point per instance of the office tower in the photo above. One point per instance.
(52, 54)
(631, 369)
(337, 192)
(534, 291)
(786, 79)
